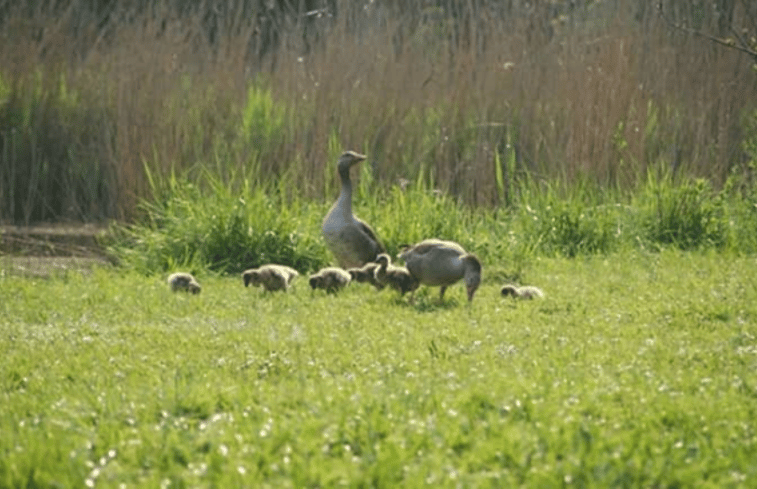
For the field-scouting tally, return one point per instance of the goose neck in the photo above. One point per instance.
(345, 197)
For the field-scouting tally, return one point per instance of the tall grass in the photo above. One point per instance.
(197, 221)
(89, 92)
(235, 229)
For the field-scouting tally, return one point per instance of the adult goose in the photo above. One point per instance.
(271, 277)
(351, 240)
(435, 262)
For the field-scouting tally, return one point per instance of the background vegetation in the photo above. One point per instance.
(475, 98)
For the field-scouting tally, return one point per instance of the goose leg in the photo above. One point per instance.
(442, 289)
(411, 300)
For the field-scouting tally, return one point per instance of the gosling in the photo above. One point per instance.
(182, 281)
(330, 279)
(366, 274)
(270, 277)
(398, 278)
(526, 292)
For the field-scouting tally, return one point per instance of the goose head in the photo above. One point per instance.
(347, 160)
(472, 274)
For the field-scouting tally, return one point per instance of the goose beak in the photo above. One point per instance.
(471, 290)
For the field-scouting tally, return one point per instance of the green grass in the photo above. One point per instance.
(200, 221)
(636, 370)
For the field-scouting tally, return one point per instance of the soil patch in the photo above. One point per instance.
(50, 250)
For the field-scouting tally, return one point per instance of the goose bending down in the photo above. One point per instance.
(330, 279)
(525, 292)
(183, 281)
(366, 274)
(398, 278)
(270, 277)
(436, 262)
(352, 242)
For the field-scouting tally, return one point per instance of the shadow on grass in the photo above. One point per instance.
(425, 302)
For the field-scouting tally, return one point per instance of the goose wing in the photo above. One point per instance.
(379, 247)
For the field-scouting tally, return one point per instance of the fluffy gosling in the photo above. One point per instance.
(182, 281)
(330, 279)
(270, 277)
(365, 274)
(525, 292)
(398, 278)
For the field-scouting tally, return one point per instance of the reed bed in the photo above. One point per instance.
(471, 98)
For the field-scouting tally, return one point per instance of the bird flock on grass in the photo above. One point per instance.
(362, 258)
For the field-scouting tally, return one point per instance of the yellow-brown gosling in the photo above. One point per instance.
(365, 274)
(183, 281)
(330, 279)
(271, 277)
(398, 278)
(351, 240)
(435, 262)
(525, 292)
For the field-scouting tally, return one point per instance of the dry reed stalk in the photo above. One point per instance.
(405, 83)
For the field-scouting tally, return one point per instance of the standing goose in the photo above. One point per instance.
(351, 240)
(436, 262)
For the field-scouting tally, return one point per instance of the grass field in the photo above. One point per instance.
(636, 370)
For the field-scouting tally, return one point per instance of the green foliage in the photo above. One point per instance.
(614, 379)
(406, 216)
(576, 225)
(207, 223)
(688, 215)
(228, 225)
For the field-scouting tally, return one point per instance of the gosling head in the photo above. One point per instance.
(383, 260)
(251, 277)
(509, 290)
(315, 281)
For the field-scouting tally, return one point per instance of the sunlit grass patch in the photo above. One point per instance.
(635, 369)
